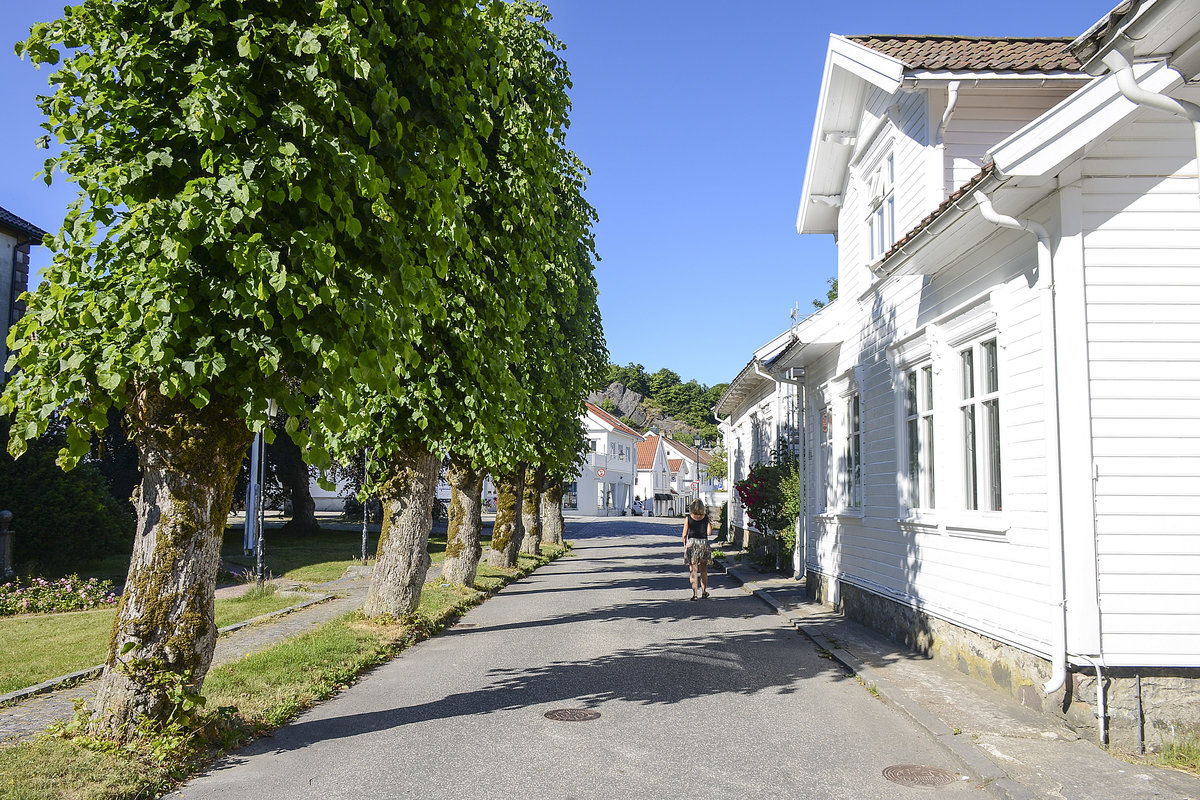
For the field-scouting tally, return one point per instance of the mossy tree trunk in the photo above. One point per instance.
(508, 530)
(190, 459)
(531, 511)
(293, 474)
(463, 549)
(402, 560)
(553, 525)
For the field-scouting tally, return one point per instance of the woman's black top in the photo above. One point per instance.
(697, 528)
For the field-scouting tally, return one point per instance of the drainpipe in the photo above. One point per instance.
(951, 102)
(1058, 598)
(1116, 61)
(1101, 713)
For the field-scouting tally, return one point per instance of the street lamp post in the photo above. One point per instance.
(697, 443)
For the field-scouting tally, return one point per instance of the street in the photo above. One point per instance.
(713, 698)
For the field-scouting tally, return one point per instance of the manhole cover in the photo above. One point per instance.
(918, 775)
(571, 715)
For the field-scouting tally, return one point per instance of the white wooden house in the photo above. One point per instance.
(1001, 411)
(691, 478)
(653, 485)
(605, 484)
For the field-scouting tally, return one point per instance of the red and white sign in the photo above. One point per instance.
(695, 485)
(600, 472)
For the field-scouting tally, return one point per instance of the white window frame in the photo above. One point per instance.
(852, 473)
(919, 451)
(881, 206)
(980, 432)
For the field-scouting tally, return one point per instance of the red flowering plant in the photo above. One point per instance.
(771, 496)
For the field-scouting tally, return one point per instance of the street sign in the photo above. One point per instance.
(695, 485)
(600, 472)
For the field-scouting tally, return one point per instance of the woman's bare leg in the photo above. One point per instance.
(704, 577)
(692, 570)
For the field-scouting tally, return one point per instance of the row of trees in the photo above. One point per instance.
(362, 213)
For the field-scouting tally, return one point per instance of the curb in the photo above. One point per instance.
(990, 776)
(91, 672)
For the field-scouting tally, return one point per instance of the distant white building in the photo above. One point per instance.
(653, 485)
(605, 484)
(16, 237)
(999, 417)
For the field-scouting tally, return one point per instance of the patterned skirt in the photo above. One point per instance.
(697, 551)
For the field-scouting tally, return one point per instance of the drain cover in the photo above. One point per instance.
(571, 715)
(918, 775)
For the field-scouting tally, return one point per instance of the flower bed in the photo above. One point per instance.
(39, 595)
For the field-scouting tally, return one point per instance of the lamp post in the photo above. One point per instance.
(697, 443)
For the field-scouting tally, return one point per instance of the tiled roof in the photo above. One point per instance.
(674, 464)
(977, 179)
(646, 450)
(975, 54)
(11, 220)
(611, 420)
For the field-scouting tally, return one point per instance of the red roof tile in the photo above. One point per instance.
(611, 420)
(674, 464)
(646, 450)
(977, 179)
(975, 54)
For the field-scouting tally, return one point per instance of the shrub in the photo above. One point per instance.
(61, 520)
(38, 595)
(771, 496)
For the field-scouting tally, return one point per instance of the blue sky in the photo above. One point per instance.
(694, 117)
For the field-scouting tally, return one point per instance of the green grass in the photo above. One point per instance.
(316, 558)
(1182, 755)
(266, 688)
(44, 646)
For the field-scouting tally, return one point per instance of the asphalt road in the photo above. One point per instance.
(709, 699)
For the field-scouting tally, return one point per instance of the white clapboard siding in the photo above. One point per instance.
(985, 117)
(1142, 268)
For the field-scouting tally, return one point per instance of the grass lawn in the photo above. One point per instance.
(266, 688)
(39, 647)
(318, 558)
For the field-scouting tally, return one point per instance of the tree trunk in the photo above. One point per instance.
(190, 460)
(508, 530)
(402, 560)
(531, 512)
(466, 524)
(553, 525)
(293, 474)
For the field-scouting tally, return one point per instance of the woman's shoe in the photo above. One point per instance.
(705, 595)
(695, 598)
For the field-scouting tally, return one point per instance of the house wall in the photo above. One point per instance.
(618, 472)
(751, 439)
(1142, 235)
(982, 118)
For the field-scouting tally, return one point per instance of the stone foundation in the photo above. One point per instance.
(1170, 698)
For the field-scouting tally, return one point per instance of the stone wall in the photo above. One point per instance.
(1170, 698)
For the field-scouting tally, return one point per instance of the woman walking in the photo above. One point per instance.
(696, 552)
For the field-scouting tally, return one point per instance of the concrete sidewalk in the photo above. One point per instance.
(1016, 752)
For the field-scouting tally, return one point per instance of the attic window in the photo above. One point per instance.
(881, 220)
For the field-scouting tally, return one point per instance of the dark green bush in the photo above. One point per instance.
(62, 520)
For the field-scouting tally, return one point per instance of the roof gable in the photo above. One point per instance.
(11, 220)
(647, 451)
(611, 422)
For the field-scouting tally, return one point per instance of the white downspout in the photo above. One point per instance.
(1053, 444)
(1116, 61)
(951, 102)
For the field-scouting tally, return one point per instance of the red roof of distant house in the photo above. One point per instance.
(611, 420)
(646, 450)
(688, 452)
(674, 464)
(976, 53)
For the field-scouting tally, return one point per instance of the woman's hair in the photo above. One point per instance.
(697, 507)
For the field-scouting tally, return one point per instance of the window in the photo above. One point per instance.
(881, 221)
(853, 474)
(592, 445)
(571, 496)
(827, 450)
(980, 410)
(918, 424)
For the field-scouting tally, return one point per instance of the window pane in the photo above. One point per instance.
(910, 393)
(992, 410)
(927, 377)
(914, 463)
(970, 484)
(891, 219)
(929, 481)
(991, 377)
(968, 374)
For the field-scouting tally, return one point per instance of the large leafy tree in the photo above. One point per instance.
(267, 196)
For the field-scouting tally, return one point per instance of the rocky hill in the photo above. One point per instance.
(633, 408)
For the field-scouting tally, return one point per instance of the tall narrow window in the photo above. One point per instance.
(827, 452)
(881, 221)
(853, 453)
(980, 410)
(918, 416)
